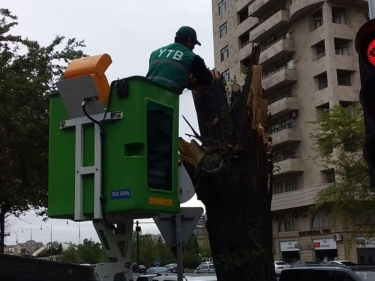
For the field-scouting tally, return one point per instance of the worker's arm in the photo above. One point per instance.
(200, 71)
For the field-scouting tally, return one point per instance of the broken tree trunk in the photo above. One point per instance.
(231, 171)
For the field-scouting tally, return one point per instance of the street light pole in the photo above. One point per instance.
(30, 230)
(138, 229)
(50, 230)
(16, 232)
(79, 230)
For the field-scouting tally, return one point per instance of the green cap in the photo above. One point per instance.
(188, 32)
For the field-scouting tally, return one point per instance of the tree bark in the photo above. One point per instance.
(232, 171)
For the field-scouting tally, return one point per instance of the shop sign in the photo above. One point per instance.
(363, 242)
(288, 246)
(305, 246)
(325, 244)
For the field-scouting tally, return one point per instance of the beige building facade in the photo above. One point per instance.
(309, 65)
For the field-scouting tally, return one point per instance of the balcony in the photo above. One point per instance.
(242, 4)
(289, 166)
(246, 25)
(261, 7)
(276, 51)
(298, 198)
(270, 26)
(286, 136)
(346, 60)
(279, 78)
(283, 106)
(299, 8)
(245, 50)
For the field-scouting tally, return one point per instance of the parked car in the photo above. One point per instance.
(156, 270)
(339, 262)
(142, 269)
(145, 277)
(172, 267)
(328, 273)
(280, 265)
(306, 263)
(205, 267)
(174, 277)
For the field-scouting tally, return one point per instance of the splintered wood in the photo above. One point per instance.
(191, 153)
(257, 106)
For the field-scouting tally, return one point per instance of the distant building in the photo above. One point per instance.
(23, 249)
(309, 64)
(201, 232)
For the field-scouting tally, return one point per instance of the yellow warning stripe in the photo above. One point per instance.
(160, 201)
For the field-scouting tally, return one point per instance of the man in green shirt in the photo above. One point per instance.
(174, 66)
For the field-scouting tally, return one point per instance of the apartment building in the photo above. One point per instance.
(309, 65)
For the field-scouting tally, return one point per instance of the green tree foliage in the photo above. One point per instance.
(89, 252)
(151, 249)
(191, 253)
(27, 75)
(56, 250)
(339, 139)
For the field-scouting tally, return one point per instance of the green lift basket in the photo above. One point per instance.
(98, 169)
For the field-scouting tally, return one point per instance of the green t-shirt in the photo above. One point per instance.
(171, 66)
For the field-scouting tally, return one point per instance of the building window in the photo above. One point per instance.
(322, 81)
(288, 123)
(318, 20)
(321, 219)
(342, 48)
(244, 39)
(343, 78)
(288, 223)
(222, 7)
(283, 154)
(281, 125)
(279, 95)
(224, 53)
(226, 75)
(338, 15)
(291, 184)
(243, 15)
(329, 176)
(223, 30)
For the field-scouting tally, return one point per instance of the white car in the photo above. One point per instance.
(280, 265)
(173, 277)
(205, 267)
(339, 262)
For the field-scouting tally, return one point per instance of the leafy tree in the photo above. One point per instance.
(191, 256)
(339, 140)
(89, 252)
(231, 170)
(152, 249)
(148, 250)
(27, 75)
(56, 250)
(205, 252)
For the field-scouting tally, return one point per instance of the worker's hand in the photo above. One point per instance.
(215, 74)
(192, 81)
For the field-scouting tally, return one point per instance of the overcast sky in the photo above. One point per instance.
(128, 31)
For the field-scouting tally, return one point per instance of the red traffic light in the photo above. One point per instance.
(365, 43)
(371, 53)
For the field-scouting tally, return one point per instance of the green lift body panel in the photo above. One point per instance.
(125, 184)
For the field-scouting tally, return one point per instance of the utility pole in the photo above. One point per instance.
(138, 229)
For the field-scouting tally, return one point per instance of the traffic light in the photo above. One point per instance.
(365, 46)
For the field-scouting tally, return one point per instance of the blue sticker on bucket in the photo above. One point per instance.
(120, 194)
